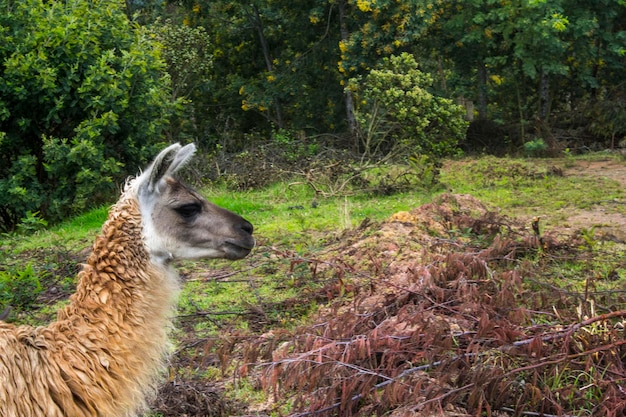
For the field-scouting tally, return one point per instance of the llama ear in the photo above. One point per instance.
(181, 158)
(158, 168)
(167, 162)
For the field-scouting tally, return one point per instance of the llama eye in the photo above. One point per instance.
(189, 210)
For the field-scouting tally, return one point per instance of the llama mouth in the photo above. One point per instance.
(237, 250)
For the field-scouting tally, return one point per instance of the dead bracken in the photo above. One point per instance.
(436, 311)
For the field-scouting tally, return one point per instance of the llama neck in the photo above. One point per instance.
(120, 315)
(120, 273)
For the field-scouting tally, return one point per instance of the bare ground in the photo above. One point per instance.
(609, 217)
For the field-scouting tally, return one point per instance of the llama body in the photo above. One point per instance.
(105, 353)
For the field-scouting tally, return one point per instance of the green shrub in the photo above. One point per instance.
(32, 222)
(397, 113)
(83, 102)
(535, 147)
(19, 288)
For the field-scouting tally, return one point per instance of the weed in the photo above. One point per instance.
(19, 288)
(31, 223)
(569, 160)
(589, 238)
(535, 147)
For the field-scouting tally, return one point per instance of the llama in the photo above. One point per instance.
(104, 354)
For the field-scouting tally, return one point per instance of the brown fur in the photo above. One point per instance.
(103, 354)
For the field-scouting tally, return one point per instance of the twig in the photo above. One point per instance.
(442, 396)
(532, 413)
(572, 328)
(226, 275)
(211, 313)
(566, 357)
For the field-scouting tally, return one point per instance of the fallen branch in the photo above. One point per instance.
(573, 328)
(563, 357)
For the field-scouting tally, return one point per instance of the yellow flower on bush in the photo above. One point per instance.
(343, 47)
(497, 80)
(365, 5)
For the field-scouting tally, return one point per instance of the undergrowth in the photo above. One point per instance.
(465, 327)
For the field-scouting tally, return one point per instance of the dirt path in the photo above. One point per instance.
(607, 217)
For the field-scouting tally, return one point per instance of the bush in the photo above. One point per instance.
(397, 113)
(189, 64)
(535, 147)
(84, 101)
(19, 288)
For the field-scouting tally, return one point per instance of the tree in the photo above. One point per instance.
(530, 62)
(397, 113)
(84, 101)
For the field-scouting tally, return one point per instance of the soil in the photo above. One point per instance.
(608, 217)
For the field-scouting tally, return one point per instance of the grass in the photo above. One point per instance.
(522, 185)
(283, 212)
(74, 234)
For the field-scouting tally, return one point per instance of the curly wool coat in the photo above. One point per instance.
(105, 351)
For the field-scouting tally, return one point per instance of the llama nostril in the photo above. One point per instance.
(247, 227)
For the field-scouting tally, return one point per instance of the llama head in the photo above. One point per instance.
(178, 223)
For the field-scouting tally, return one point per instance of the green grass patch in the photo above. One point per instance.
(74, 234)
(529, 187)
(288, 213)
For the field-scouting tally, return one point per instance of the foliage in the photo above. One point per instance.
(608, 115)
(535, 147)
(382, 28)
(529, 66)
(397, 113)
(32, 222)
(493, 47)
(187, 54)
(19, 288)
(84, 101)
(259, 81)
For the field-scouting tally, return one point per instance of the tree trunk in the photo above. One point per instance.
(482, 90)
(442, 76)
(348, 97)
(544, 96)
(129, 9)
(258, 23)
